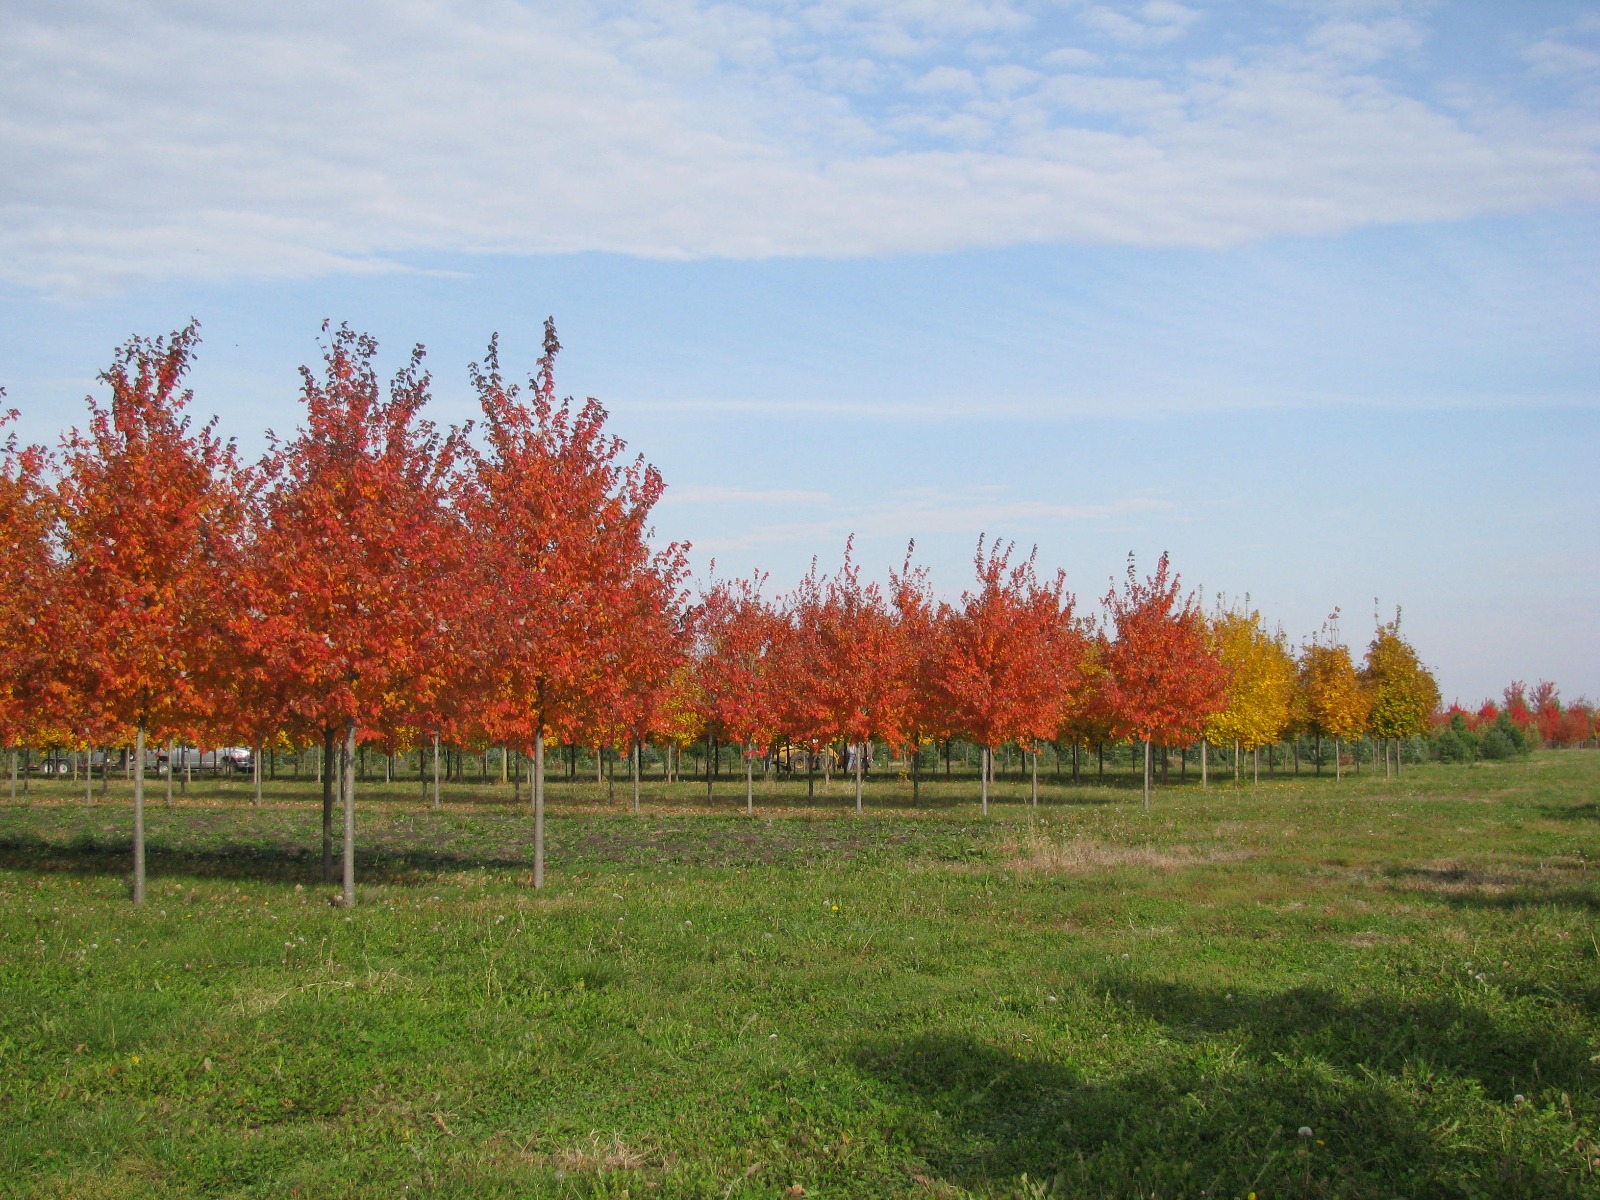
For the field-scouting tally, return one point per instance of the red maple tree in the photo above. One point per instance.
(151, 509)
(1009, 657)
(563, 528)
(346, 612)
(1162, 679)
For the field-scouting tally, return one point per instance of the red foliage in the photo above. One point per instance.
(1010, 657)
(1162, 680)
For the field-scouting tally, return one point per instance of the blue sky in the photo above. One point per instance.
(1305, 293)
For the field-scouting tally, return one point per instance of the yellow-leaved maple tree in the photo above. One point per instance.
(1336, 702)
(1404, 692)
(1260, 689)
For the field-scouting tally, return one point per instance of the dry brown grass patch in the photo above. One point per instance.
(1080, 856)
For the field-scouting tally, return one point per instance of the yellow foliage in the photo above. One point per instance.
(1336, 702)
(1404, 693)
(1261, 681)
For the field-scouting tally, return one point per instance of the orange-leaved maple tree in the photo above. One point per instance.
(151, 512)
(562, 528)
(346, 610)
(863, 668)
(32, 688)
(734, 633)
(1162, 677)
(1010, 657)
(920, 621)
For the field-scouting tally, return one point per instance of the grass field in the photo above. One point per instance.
(1091, 1000)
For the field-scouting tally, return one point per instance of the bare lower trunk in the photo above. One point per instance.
(538, 807)
(348, 788)
(1338, 766)
(255, 763)
(749, 785)
(436, 772)
(983, 775)
(138, 816)
(172, 757)
(1204, 775)
(1236, 761)
(1147, 775)
(861, 756)
(1256, 755)
(13, 774)
(325, 773)
(637, 767)
(1034, 767)
(88, 781)
(505, 762)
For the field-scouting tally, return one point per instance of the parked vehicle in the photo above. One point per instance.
(225, 760)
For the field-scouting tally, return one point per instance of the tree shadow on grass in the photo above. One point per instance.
(1474, 887)
(233, 860)
(1569, 812)
(1222, 1117)
(204, 845)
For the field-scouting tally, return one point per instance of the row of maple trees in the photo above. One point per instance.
(1538, 712)
(375, 578)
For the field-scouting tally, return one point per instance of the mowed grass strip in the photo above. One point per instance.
(1082, 1000)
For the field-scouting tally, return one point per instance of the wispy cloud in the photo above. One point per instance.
(297, 139)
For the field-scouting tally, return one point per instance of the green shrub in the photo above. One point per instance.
(1455, 743)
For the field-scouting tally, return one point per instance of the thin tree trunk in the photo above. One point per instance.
(983, 776)
(255, 764)
(638, 768)
(1033, 762)
(27, 771)
(88, 780)
(1205, 780)
(1338, 765)
(1256, 752)
(538, 806)
(435, 772)
(749, 785)
(13, 774)
(711, 744)
(1074, 764)
(916, 774)
(505, 763)
(1235, 762)
(1147, 774)
(172, 755)
(348, 774)
(611, 778)
(325, 773)
(138, 816)
(861, 759)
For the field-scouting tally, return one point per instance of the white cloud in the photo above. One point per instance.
(210, 141)
(1550, 56)
(1152, 23)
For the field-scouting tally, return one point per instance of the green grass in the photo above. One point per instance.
(1093, 1001)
